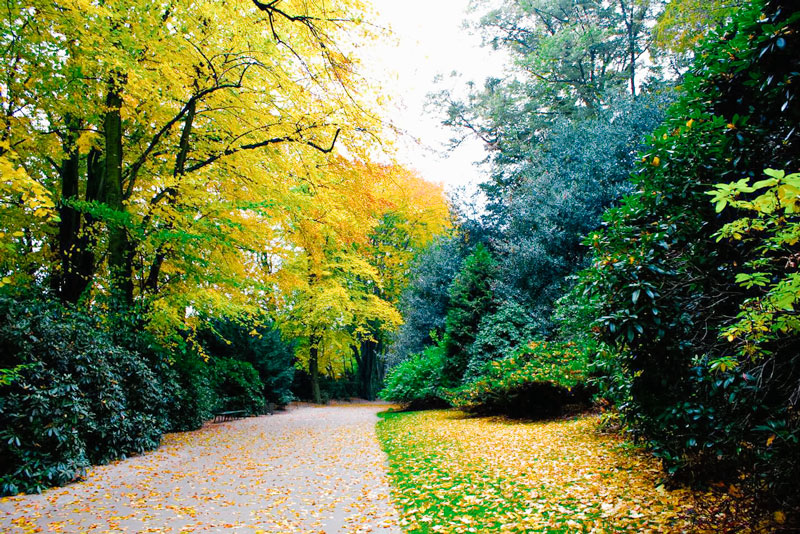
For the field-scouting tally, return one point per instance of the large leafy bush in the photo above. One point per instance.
(193, 397)
(471, 298)
(237, 386)
(70, 396)
(417, 381)
(538, 380)
(499, 334)
(665, 287)
(262, 346)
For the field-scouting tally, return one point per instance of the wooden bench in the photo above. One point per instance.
(268, 409)
(227, 416)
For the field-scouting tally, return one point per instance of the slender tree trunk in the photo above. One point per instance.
(151, 284)
(313, 367)
(628, 19)
(120, 258)
(632, 46)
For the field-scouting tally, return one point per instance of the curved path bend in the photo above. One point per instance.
(306, 470)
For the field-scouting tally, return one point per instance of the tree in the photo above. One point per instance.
(416, 214)
(340, 287)
(498, 336)
(684, 23)
(470, 300)
(569, 59)
(166, 196)
(425, 301)
(580, 169)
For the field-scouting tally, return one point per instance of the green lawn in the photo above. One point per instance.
(453, 473)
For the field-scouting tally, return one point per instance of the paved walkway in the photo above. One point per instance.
(310, 469)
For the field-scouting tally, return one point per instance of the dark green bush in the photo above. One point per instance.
(192, 396)
(236, 386)
(344, 387)
(69, 396)
(539, 380)
(499, 334)
(261, 345)
(39, 440)
(471, 299)
(417, 382)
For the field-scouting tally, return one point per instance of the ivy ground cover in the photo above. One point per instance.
(454, 474)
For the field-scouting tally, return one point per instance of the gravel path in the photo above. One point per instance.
(309, 469)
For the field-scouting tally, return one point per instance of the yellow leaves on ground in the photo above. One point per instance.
(455, 474)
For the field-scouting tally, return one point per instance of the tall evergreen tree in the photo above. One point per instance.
(471, 298)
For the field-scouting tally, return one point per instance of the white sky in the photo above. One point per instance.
(429, 41)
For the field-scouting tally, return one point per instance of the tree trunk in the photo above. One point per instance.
(75, 237)
(69, 226)
(120, 257)
(151, 284)
(629, 20)
(367, 368)
(313, 367)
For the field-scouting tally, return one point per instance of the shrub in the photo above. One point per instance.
(262, 346)
(499, 334)
(764, 340)
(39, 440)
(538, 380)
(236, 386)
(417, 382)
(192, 397)
(471, 298)
(344, 387)
(666, 286)
(69, 396)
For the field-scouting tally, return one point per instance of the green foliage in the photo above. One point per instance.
(470, 300)
(193, 397)
(236, 386)
(538, 380)
(39, 440)
(499, 335)
(424, 303)
(344, 387)
(771, 232)
(417, 381)
(764, 334)
(665, 285)
(685, 22)
(576, 171)
(261, 345)
(70, 396)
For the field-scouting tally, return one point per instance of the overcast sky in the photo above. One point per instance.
(430, 41)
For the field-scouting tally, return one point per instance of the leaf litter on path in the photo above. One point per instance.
(307, 470)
